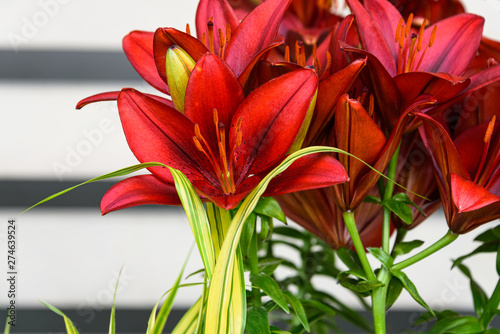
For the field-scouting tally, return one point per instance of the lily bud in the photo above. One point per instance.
(301, 135)
(179, 66)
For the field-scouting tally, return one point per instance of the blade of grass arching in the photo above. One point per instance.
(197, 218)
(187, 325)
(7, 327)
(70, 328)
(165, 309)
(219, 223)
(120, 172)
(221, 289)
(112, 325)
(238, 311)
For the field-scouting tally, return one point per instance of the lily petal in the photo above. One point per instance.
(212, 85)
(254, 33)
(457, 41)
(221, 14)
(156, 132)
(309, 172)
(469, 196)
(271, 118)
(139, 190)
(138, 46)
(164, 38)
(371, 34)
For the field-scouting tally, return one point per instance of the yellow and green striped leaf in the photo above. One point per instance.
(70, 328)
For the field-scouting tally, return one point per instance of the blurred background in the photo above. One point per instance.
(53, 53)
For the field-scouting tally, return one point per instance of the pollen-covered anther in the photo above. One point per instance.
(410, 44)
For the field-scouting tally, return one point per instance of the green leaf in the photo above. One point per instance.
(372, 199)
(484, 248)
(247, 234)
(324, 308)
(276, 330)
(197, 218)
(266, 228)
(298, 309)
(7, 326)
(498, 260)
(290, 232)
(156, 325)
(393, 291)
(270, 288)
(70, 328)
(269, 265)
(406, 247)
(268, 206)
(351, 261)
(403, 198)
(491, 235)
(492, 331)
(479, 297)
(257, 321)
(382, 256)
(362, 286)
(120, 172)
(112, 325)
(400, 209)
(459, 325)
(410, 287)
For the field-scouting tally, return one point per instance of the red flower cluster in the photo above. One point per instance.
(260, 82)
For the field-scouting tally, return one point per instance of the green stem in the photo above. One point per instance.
(380, 294)
(389, 188)
(441, 243)
(491, 307)
(253, 260)
(350, 223)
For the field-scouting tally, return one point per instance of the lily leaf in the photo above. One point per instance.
(298, 309)
(258, 322)
(479, 297)
(400, 209)
(410, 287)
(271, 288)
(406, 247)
(393, 292)
(266, 228)
(459, 325)
(268, 206)
(382, 256)
(70, 328)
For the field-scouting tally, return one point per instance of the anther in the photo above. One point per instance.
(408, 25)
(210, 26)
(188, 29)
(489, 130)
(433, 36)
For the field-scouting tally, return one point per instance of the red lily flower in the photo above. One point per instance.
(467, 171)
(241, 44)
(316, 211)
(356, 132)
(405, 63)
(224, 143)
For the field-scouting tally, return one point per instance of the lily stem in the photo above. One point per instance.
(350, 223)
(491, 307)
(441, 243)
(253, 260)
(379, 295)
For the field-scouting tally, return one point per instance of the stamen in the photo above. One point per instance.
(486, 140)
(421, 35)
(398, 30)
(210, 26)
(371, 106)
(408, 25)
(329, 62)
(489, 130)
(188, 29)
(221, 44)
(287, 54)
(204, 39)
(228, 33)
(433, 36)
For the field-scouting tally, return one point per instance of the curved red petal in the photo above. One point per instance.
(469, 196)
(157, 132)
(139, 190)
(254, 33)
(373, 39)
(138, 46)
(221, 14)
(309, 172)
(457, 41)
(164, 38)
(271, 118)
(113, 96)
(212, 85)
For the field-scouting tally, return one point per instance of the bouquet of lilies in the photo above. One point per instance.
(354, 127)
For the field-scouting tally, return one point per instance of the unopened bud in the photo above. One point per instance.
(179, 66)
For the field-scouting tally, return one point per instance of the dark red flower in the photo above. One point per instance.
(468, 172)
(224, 143)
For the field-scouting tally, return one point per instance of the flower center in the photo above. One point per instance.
(222, 163)
(410, 46)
